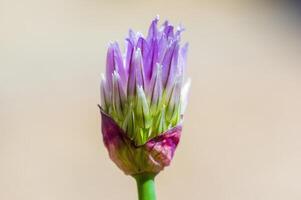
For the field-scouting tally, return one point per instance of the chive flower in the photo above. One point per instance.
(143, 98)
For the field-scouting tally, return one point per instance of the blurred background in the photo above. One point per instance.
(242, 130)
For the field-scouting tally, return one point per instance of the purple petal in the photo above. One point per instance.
(104, 92)
(174, 100)
(153, 30)
(129, 55)
(138, 66)
(162, 47)
(132, 36)
(169, 65)
(142, 44)
(110, 66)
(179, 31)
(119, 96)
(155, 90)
(119, 66)
(182, 59)
(131, 86)
(166, 23)
(169, 31)
(151, 59)
(174, 72)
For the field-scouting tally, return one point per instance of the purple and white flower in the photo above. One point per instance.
(143, 99)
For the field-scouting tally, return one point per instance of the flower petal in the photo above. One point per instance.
(151, 59)
(155, 90)
(168, 30)
(184, 96)
(173, 73)
(143, 108)
(119, 97)
(104, 93)
(131, 86)
(110, 66)
(119, 66)
(160, 123)
(138, 66)
(167, 63)
(142, 44)
(129, 54)
(129, 123)
(173, 102)
(182, 59)
(153, 30)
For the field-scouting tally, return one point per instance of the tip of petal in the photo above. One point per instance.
(110, 43)
(116, 75)
(139, 34)
(180, 28)
(138, 53)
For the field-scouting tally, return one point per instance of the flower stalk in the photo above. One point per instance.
(146, 186)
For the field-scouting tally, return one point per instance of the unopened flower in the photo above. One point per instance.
(143, 99)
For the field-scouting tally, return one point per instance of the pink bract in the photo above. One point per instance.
(150, 157)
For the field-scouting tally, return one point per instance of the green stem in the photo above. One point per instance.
(146, 186)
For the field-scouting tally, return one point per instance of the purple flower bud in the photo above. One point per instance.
(143, 99)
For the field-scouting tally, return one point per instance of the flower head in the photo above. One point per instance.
(143, 99)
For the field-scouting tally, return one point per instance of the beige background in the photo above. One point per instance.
(241, 139)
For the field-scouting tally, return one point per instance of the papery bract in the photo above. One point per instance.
(151, 157)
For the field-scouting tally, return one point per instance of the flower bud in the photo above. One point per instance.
(143, 99)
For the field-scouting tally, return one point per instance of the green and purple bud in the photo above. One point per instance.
(143, 99)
